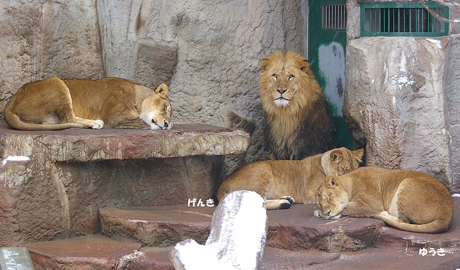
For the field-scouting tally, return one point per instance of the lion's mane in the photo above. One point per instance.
(303, 127)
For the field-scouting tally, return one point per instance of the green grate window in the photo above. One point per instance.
(334, 16)
(403, 19)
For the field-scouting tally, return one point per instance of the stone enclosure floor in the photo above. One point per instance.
(141, 238)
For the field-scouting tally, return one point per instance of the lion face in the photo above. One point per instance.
(330, 199)
(282, 74)
(156, 109)
(341, 161)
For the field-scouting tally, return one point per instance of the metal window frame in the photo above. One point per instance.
(393, 6)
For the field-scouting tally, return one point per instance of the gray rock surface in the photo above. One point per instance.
(395, 103)
(40, 39)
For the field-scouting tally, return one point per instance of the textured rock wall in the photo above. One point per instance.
(401, 99)
(395, 103)
(453, 105)
(40, 39)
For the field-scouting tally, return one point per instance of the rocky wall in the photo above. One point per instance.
(40, 39)
(401, 99)
(452, 83)
(396, 105)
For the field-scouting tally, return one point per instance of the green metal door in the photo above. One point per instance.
(327, 40)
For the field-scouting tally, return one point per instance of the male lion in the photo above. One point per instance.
(283, 182)
(408, 200)
(53, 104)
(295, 108)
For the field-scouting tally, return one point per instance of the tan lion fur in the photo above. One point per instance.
(283, 182)
(295, 108)
(53, 104)
(408, 200)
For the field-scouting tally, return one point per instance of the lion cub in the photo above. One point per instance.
(408, 200)
(283, 182)
(53, 104)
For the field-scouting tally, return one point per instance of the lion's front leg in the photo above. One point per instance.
(284, 202)
(94, 124)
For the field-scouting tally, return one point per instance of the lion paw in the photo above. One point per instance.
(384, 214)
(286, 202)
(97, 124)
(289, 199)
(317, 214)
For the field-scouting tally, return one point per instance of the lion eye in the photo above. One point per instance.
(275, 76)
(291, 77)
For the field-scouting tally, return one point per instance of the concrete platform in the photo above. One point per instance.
(68, 174)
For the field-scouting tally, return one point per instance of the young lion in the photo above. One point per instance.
(283, 182)
(407, 200)
(296, 111)
(53, 104)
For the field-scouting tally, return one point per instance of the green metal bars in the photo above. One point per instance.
(403, 19)
(334, 16)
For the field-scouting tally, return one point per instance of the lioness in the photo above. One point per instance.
(408, 200)
(296, 111)
(283, 182)
(53, 104)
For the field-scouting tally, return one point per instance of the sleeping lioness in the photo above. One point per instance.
(53, 104)
(407, 200)
(283, 182)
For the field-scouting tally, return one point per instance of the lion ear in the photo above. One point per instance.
(359, 154)
(264, 64)
(331, 181)
(336, 156)
(162, 90)
(305, 66)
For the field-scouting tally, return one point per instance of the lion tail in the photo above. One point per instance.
(436, 226)
(14, 121)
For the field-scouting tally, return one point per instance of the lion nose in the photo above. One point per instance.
(166, 124)
(281, 90)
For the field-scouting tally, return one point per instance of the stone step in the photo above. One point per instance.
(97, 252)
(293, 229)
(103, 253)
(63, 177)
